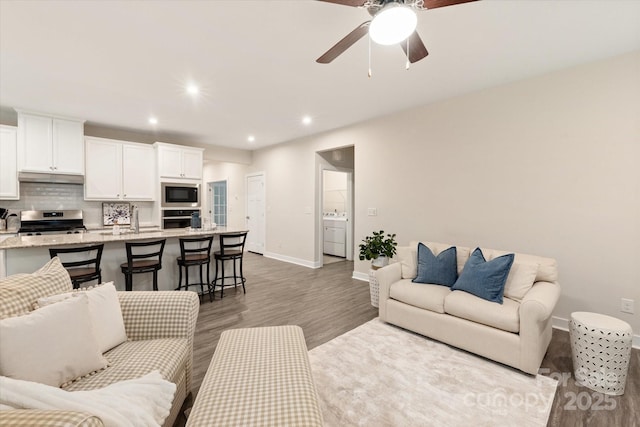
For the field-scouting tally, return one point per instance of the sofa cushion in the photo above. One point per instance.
(436, 270)
(485, 279)
(19, 291)
(521, 278)
(547, 267)
(421, 295)
(134, 359)
(51, 345)
(503, 316)
(104, 310)
(407, 257)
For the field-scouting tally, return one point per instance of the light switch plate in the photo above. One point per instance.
(626, 305)
(372, 211)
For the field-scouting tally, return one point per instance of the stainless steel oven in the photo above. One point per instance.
(177, 218)
(180, 195)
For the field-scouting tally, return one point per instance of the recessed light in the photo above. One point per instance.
(251, 138)
(192, 89)
(153, 120)
(306, 120)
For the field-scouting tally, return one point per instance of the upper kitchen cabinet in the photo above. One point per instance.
(9, 163)
(50, 144)
(179, 162)
(119, 170)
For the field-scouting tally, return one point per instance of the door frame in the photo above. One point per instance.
(320, 217)
(263, 235)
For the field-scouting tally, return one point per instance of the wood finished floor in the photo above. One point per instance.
(327, 302)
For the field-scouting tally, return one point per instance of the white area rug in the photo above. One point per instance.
(382, 375)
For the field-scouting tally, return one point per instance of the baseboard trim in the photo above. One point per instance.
(563, 325)
(360, 276)
(292, 260)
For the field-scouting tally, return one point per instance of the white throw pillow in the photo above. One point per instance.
(407, 256)
(51, 345)
(521, 278)
(105, 312)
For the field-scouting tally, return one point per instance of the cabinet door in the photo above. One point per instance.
(138, 172)
(35, 152)
(103, 175)
(9, 163)
(68, 146)
(170, 162)
(192, 164)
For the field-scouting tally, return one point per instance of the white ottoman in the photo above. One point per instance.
(601, 348)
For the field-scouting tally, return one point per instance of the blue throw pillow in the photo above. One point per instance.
(440, 270)
(485, 279)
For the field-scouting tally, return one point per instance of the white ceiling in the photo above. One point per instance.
(115, 63)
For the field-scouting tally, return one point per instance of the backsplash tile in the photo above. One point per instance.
(52, 196)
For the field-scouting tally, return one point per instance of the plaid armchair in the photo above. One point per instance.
(159, 325)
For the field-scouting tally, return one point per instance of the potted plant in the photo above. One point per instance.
(378, 249)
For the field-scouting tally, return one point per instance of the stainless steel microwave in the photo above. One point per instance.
(179, 195)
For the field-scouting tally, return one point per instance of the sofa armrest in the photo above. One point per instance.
(386, 276)
(44, 418)
(161, 314)
(536, 309)
(538, 304)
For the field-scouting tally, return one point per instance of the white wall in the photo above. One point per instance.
(234, 174)
(334, 191)
(548, 166)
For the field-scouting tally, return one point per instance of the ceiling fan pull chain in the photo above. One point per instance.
(408, 54)
(369, 57)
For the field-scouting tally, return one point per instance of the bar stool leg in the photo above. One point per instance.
(179, 277)
(201, 282)
(155, 280)
(244, 290)
(211, 295)
(222, 280)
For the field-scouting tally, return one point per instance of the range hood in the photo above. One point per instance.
(50, 178)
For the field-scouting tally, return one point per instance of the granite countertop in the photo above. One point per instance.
(22, 242)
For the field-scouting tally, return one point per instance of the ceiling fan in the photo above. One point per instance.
(392, 22)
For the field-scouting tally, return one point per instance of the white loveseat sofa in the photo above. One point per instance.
(516, 333)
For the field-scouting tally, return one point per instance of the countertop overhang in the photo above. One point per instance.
(22, 242)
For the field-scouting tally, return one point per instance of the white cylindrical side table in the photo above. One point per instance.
(601, 348)
(374, 287)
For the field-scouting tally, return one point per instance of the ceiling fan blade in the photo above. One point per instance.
(417, 50)
(345, 43)
(432, 4)
(354, 3)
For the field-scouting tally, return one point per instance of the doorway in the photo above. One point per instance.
(255, 218)
(335, 206)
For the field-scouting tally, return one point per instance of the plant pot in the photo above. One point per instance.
(373, 288)
(379, 262)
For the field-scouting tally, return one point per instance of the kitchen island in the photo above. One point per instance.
(25, 254)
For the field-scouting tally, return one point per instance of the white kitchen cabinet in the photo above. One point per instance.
(50, 144)
(118, 170)
(335, 237)
(179, 162)
(138, 172)
(9, 189)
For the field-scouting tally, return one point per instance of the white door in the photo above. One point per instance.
(192, 164)
(35, 149)
(255, 213)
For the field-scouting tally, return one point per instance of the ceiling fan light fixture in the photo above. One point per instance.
(393, 24)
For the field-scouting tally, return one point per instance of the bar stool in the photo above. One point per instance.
(194, 253)
(80, 271)
(141, 262)
(231, 249)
